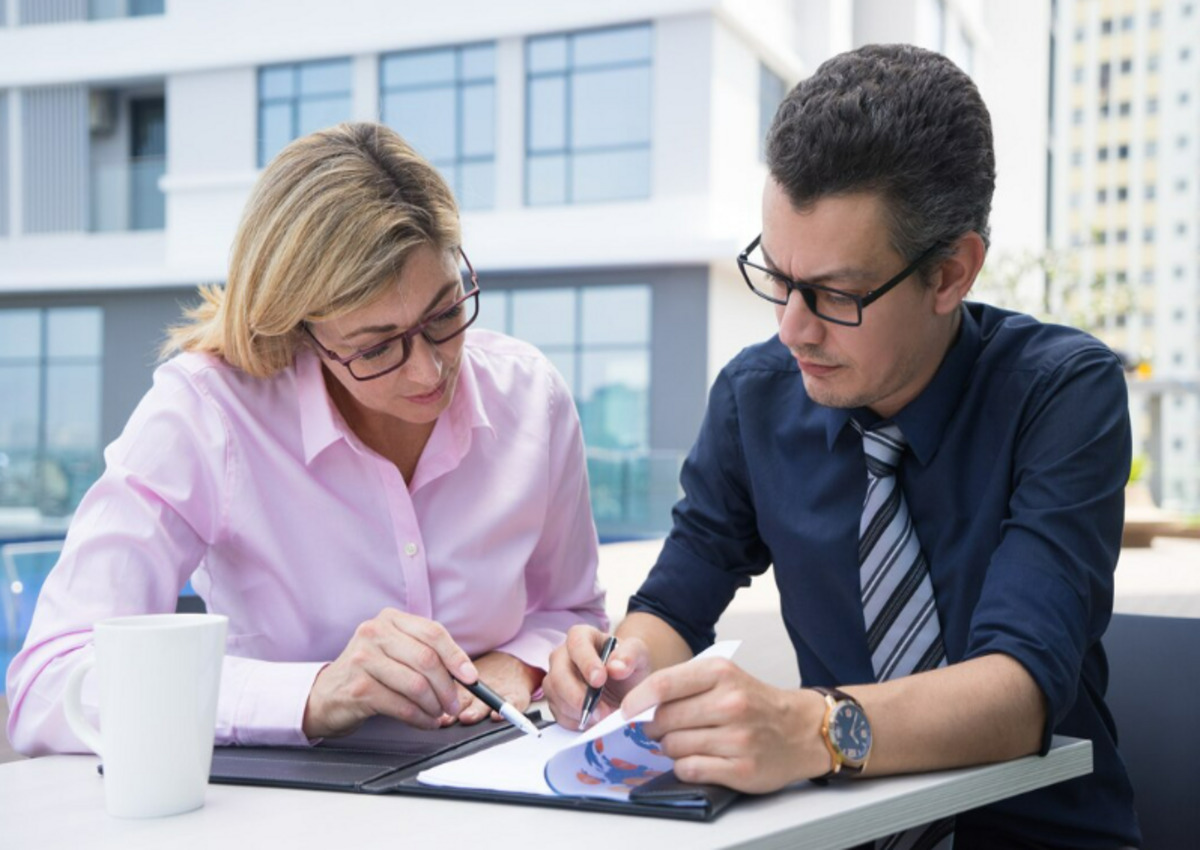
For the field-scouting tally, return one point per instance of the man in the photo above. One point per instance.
(939, 486)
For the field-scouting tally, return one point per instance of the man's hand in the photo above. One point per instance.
(576, 665)
(396, 664)
(723, 726)
(508, 676)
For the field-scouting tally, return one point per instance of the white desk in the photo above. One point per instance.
(58, 802)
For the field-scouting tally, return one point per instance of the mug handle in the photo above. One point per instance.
(73, 706)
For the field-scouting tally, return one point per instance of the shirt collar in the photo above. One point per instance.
(320, 423)
(924, 419)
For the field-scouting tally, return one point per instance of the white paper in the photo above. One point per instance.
(622, 759)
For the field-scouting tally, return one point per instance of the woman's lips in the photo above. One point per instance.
(430, 397)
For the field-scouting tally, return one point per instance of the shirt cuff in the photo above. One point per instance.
(262, 702)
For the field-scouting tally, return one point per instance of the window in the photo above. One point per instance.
(771, 89)
(1126, 66)
(1125, 108)
(1106, 26)
(101, 9)
(588, 116)
(1148, 235)
(50, 424)
(298, 99)
(1181, 185)
(1123, 152)
(1122, 236)
(1101, 195)
(1150, 192)
(1151, 149)
(1077, 157)
(598, 337)
(1077, 117)
(1102, 154)
(1155, 18)
(3, 164)
(147, 163)
(1078, 74)
(1151, 105)
(443, 102)
(1127, 22)
(1122, 193)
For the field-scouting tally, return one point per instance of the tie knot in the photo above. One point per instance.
(883, 446)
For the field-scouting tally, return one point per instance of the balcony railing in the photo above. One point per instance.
(126, 196)
(633, 491)
(103, 9)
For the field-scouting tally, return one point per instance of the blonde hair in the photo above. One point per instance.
(326, 230)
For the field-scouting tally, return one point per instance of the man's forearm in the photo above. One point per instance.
(983, 710)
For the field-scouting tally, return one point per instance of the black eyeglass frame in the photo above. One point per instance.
(405, 338)
(808, 290)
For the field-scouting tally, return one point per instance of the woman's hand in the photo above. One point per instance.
(396, 664)
(508, 676)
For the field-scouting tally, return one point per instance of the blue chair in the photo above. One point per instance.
(1154, 695)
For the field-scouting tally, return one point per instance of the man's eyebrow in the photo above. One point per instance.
(852, 274)
(390, 328)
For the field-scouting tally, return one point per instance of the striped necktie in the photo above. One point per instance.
(899, 609)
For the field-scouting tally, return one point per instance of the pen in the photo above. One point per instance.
(593, 694)
(502, 707)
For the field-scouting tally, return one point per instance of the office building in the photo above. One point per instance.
(607, 158)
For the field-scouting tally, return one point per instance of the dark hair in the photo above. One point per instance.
(899, 121)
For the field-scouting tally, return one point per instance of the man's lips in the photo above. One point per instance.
(817, 370)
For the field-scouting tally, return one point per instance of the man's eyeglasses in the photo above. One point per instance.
(832, 305)
(393, 352)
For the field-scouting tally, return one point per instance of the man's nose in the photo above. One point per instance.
(798, 325)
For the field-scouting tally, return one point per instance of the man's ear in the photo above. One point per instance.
(956, 274)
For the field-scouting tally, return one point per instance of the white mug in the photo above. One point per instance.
(158, 680)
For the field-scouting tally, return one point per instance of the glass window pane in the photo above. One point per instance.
(331, 77)
(476, 190)
(547, 114)
(548, 53)
(425, 118)
(73, 332)
(493, 311)
(544, 316)
(616, 315)
(277, 81)
(275, 130)
(613, 398)
(18, 414)
(610, 176)
(479, 120)
(418, 68)
(547, 180)
(478, 62)
(20, 334)
(73, 406)
(449, 173)
(321, 113)
(610, 107)
(628, 44)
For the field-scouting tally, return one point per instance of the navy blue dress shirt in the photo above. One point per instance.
(1019, 456)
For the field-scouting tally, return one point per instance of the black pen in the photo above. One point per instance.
(502, 707)
(593, 694)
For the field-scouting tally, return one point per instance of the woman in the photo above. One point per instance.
(330, 443)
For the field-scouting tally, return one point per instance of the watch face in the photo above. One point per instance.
(850, 732)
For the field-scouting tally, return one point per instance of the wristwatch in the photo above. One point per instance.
(846, 732)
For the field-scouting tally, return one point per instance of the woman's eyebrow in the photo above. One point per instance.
(379, 329)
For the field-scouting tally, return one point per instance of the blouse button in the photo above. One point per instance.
(410, 549)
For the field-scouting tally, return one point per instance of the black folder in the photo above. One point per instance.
(385, 756)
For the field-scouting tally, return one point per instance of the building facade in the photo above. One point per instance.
(1125, 207)
(607, 159)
